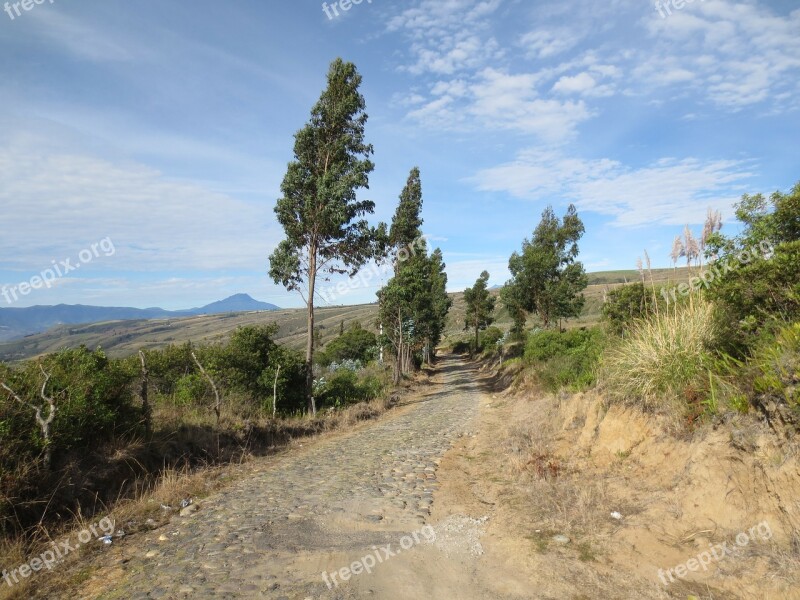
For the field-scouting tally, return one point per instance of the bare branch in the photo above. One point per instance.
(50, 402)
(14, 395)
(44, 424)
(218, 405)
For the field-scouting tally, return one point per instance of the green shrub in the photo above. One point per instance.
(664, 359)
(344, 387)
(355, 343)
(191, 390)
(92, 397)
(627, 304)
(758, 288)
(777, 368)
(763, 294)
(490, 337)
(565, 360)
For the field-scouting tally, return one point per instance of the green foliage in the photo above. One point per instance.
(760, 295)
(166, 366)
(479, 306)
(762, 289)
(626, 304)
(319, 211)
(356, 343)
(565, 360)
(547, 279)
(249, 362)
(246, 365)
(345, 387)
(92, 397)
(413, 305)
(490, 337)
(777, 368)
(434, 317)
(190, 390)
(407, 221)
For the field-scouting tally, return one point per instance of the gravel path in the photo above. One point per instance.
(272, 534)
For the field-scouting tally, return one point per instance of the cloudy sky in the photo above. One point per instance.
(166, 126)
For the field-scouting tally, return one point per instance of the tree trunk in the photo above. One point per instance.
(312, 281)
(476, 339)
(398, 363)
(147, 412)
(275, 392)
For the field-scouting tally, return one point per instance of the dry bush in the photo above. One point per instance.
(663, 360)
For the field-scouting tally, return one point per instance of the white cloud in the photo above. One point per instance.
(579, 84)
(544, 43)
(736, 54)
(503, 102)
(56, 202)
(668, 192)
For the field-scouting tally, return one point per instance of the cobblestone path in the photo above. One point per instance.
(273, 533)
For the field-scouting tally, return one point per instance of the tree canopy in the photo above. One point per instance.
(547, 279)
(479, 306)
(319, 211)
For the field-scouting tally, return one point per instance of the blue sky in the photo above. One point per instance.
(166, 127)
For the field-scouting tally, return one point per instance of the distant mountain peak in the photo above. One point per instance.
(18, 322)
(235, 303)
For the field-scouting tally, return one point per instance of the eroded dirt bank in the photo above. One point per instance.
(560, 466)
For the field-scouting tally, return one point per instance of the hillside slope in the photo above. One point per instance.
(120, 338)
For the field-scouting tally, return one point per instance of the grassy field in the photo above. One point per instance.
(121, 338)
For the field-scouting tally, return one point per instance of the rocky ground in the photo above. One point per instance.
(365, 493)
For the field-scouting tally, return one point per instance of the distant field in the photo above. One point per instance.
(121, 338)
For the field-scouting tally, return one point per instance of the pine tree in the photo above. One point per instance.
(480, 306)
(546, 277)
(319, 212)
(414, 303)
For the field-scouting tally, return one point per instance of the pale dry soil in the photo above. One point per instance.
(517, 487)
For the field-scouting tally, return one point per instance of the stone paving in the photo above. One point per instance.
(342, 494)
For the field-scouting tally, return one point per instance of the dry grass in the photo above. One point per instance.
(558, 497)
(661, 364)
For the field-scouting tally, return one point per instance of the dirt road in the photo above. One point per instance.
(365, 500)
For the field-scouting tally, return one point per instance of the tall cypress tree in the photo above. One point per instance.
(319, 211)
(398, 299)
(479, 306)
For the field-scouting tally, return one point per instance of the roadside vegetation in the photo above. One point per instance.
(722, 337)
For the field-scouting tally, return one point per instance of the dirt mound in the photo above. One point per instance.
(712, 513)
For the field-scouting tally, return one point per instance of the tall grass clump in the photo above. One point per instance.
(663, 360)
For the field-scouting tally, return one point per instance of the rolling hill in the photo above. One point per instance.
(20, 322)
(120, 337)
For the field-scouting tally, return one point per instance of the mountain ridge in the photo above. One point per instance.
(16, 323)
